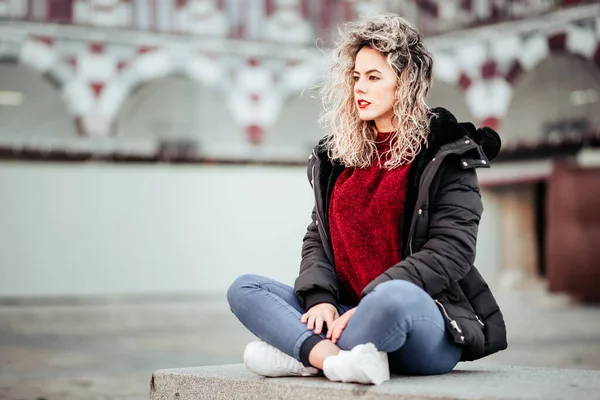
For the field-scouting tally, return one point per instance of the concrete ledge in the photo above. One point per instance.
(467, 381)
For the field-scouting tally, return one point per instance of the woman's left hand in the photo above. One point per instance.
(335, 331)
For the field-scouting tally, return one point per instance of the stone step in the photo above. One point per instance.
(467, 381)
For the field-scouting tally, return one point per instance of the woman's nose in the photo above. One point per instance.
(359, 87)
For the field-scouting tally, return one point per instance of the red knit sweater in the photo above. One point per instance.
(365, 214)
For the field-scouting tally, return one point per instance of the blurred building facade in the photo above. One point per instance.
(235, 81)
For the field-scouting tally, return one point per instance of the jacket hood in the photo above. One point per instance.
(446, 129)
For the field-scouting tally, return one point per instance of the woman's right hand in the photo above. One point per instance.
(319, 313)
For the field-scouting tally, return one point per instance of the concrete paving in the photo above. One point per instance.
(109, 349)
(468, 381)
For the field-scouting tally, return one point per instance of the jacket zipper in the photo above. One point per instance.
(315, 193)
(478, 320)
(453, 322)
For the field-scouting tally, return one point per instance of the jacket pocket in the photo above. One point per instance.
(452, 325)
(462, 323)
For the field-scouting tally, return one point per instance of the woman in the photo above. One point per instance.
(387, 281)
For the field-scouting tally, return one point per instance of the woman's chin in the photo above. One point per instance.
(365, 117)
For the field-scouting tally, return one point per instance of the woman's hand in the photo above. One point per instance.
(335, 330)
(319, 313)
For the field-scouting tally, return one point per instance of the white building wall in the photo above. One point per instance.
(97, 229)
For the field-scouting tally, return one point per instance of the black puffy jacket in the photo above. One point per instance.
(438, 232)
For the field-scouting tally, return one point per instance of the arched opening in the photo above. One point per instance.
(32, 111)
(177, 111)
(558, 97)
(296, 130)
(452, 98)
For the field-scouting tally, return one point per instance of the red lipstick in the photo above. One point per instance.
(362, 103)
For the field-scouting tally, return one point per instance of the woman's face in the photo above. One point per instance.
(374, 88)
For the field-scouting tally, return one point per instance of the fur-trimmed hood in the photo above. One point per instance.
(446, 129)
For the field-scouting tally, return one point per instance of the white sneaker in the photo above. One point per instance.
(266, 360)
(362, 364)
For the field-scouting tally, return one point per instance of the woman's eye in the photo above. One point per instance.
(374, 78)
(355, 78)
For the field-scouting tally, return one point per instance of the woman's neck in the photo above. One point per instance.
(384, 125)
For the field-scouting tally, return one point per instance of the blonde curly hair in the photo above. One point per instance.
(352, 140)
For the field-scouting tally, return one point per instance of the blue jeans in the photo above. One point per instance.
(398, 317)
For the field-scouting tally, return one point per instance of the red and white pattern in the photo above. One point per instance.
(247, 19)
(488, 71)
(203, 18)
(96, 78)
(105, 13)
(290, 21)
(286, 24)
(260, 89)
